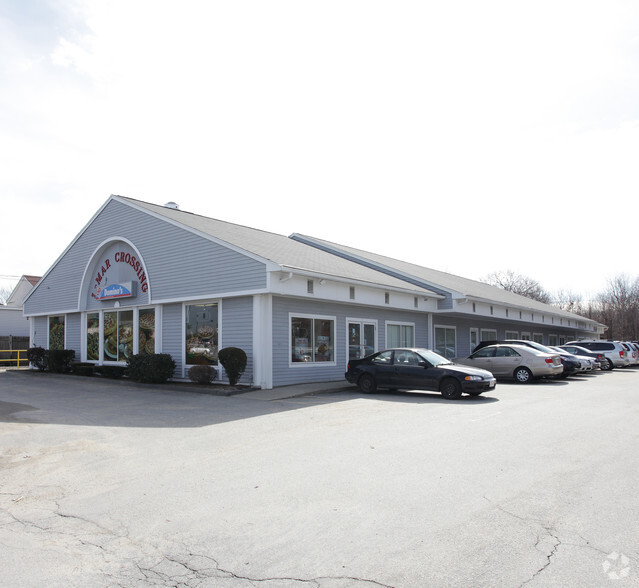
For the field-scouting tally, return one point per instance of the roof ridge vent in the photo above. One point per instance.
(172, 205)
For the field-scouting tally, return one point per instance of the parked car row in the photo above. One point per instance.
(618, 353)
(521, 360)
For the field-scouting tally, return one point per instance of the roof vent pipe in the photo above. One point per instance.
(172, 205)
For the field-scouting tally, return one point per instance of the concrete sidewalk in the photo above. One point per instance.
(278, 393)
(294, 390)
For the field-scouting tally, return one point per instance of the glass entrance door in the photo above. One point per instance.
(361, 339)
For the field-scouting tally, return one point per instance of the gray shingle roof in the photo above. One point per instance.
(463, 286)
(279, 249)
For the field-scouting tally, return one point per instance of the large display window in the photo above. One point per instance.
(201, 329)
(112, 335)
(93, 336)
(118, 335)
(312, 339)
(56, 332)
(146, 331)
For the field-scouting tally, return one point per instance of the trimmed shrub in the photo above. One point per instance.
(83, 369)
(202, 374)
(154, 368)
(111, 371)
(38, 356)
(59, 361)
(234, 361)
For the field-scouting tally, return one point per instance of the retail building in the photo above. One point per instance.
(144, 278)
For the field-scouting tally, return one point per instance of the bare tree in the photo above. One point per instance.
(4, 294)
(519, 284)
(570, 301)
(618, 308)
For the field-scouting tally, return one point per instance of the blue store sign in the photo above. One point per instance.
(124, 290)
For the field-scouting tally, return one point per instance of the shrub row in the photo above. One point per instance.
(156, 368)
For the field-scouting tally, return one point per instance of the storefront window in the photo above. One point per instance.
(118, 335)
(146, 331)
(445, 341)
(312, 339)
(201, 334)
(488, 335)
(400, 335)
(93, 336)
(56, 332)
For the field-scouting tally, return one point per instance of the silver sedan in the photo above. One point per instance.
(515, 361)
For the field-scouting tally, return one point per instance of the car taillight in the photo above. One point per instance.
(348, 367)
(621, 354)
(550, 360)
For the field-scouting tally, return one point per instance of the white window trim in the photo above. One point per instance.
(221, 374)
(454, 328)
(307, 364)
(470, 340)
(49, 317)
(136, 323)
(401, 324)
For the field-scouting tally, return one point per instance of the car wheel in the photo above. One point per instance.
(451, 389)
(523, 375)
(367, 384)
(607, 365)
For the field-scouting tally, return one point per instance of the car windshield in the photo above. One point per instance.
(540, 347)
(432, 357)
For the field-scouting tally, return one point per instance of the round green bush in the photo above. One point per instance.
(202, 374)
(234, 361)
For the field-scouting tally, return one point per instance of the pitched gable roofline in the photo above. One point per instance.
(439, 281)
(158, 211)
(67, 248)
(277, 251)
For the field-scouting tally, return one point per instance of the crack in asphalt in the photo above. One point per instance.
(541, 537)
(193, 572)
(549, 556)
(187, 570)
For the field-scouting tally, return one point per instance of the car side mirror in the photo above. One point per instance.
(423, 364)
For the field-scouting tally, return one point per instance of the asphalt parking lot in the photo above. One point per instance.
(104, 483)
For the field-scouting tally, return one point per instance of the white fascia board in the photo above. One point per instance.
(55, 312)
(270, 265)
(216, 296)
(416, 291)
(465, 299)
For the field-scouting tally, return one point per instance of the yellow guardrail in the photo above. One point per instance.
(18, 359)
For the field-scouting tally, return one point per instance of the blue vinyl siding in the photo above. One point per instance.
(73, 326)
(284, 374)
(237, 330)
(179, 263)
(172, 335)
(41, 332)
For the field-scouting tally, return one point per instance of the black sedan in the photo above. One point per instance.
(417, 369)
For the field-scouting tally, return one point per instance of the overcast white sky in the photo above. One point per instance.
(465, 136)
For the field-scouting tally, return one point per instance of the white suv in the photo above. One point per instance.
(614, 351)
(633, 354)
